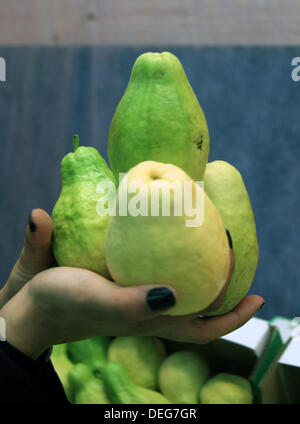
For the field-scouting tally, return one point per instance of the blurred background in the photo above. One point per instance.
(68, 63)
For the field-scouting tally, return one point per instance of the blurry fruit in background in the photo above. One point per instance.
(85, 387)
(182, 375)
(226, 388)
(140, 356)
(91, 352)
(122, 390)
(62, 366)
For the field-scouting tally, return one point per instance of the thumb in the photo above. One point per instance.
(36, 254)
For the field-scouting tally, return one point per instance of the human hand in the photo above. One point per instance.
(65, 304)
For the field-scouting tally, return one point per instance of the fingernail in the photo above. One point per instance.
(229, 239)
(261, 306)
(31, 224)
(160, 298)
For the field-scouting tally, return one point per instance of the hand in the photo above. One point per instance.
(65, 304)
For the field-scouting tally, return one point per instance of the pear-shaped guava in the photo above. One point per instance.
(225, 187)
(122, 390)
(91, 352)
(225, 388)
(182, 375)
(79, 230)
(159, 118)
(62, 365)
(141, 356)
(186, 248)
(85, 387)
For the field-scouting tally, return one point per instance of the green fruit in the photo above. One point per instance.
(62, 366)
(141, 356)
(159, 118)
(85, 387)
(225, 187)
(79, 231)
(122, 390)
(182, 375)
(92, 352)
(139, 250)
(226, 389)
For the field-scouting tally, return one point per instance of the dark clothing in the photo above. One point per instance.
(25, 381)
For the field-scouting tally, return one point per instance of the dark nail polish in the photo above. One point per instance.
(229, 239)
(261, 306)
(31, 224)
(160, 298)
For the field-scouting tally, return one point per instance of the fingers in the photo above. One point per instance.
(36, 254)
(204, 330)
(78, 303)
(143, 302)
(132, 304)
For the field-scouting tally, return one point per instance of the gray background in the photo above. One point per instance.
(252, 108)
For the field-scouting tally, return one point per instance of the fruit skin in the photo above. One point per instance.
(162, 250)
(227, 388)
(122, 390)
(62, 366)
(85, 387)
(225, 187)
(159, 118)
(91, 352)
(141, 357)
(79, 232)
(182, 375)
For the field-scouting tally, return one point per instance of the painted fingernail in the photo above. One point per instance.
(229, 239)
(160, 298)
(31, 224)
(261, 306)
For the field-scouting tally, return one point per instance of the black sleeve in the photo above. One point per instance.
(25, 381)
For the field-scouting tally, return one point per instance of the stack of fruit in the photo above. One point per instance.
(138, 370)
(158, 139)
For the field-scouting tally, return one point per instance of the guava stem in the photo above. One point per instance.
(75, 142)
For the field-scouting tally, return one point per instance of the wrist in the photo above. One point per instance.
(23, 324)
